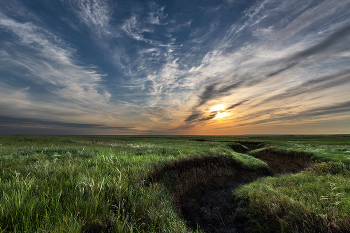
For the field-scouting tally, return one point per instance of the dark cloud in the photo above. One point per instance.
(283, 69)
(208, 93)
(323, 46)
(314, 85)
(193, 117)
(149, 86)
(15, 121)
(212, 115)
(236, 105)
(199, 116)
(211, 92)
(315, 112)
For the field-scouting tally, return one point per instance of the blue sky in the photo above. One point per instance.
(174, 67)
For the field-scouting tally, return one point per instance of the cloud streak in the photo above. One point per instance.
(38, 122)
(325, 111)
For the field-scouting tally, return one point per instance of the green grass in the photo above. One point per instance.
(316, 200)
(76, 183)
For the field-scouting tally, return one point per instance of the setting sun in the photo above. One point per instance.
(217, 108)
(221, 114)
(220, 108)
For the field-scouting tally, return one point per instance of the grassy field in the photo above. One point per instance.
(98, 183)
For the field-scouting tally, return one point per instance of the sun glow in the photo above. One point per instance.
(218, 108)
(221, 114)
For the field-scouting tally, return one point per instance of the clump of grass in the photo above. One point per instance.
(331, 168)
(248, 161)
(311, 201)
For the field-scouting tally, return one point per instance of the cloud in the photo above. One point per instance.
(196, 118)
(206, 36)
(156, 14)
(96, 14)
(6, 120)
(193, 117)
(267, 64)
(180, 26)
(320, 47)
(211, 92)
(200, 116)
(51, 62)
(314, 85)
(149, 86)
(236, 105)
(325, 111)
(135, 29)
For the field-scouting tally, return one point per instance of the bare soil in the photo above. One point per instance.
(202, 187)
(281, 162)
(203, 190)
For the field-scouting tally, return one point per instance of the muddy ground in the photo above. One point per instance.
(203, 186)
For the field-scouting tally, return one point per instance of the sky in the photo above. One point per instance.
(194, 67)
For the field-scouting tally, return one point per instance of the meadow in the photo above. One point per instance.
(138, 183)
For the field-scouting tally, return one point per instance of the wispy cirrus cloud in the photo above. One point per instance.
(51, 55)
(95, 14)
(134, 29)
(157, 14)
(48, 62)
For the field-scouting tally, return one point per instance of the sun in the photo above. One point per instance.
(218, 108)
(221, 115)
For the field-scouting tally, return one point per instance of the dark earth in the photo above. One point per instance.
(209, 206)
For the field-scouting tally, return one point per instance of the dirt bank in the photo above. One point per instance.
(279, 161)
(203, 189)
(282, 162)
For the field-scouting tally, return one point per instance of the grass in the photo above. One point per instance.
(316, 200)
(90, 183)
